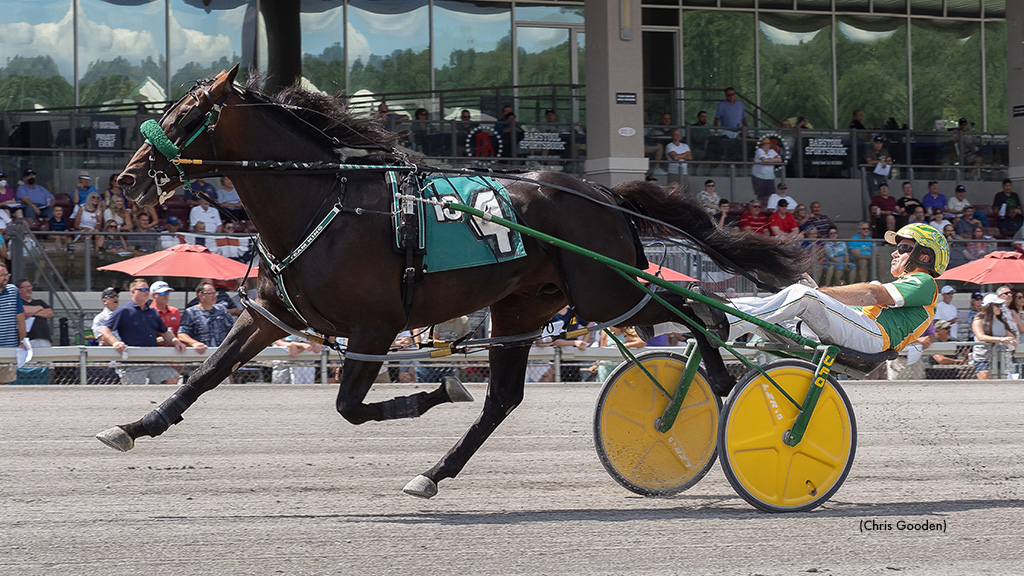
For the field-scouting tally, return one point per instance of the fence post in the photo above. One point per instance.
(557, 364)
(324, 356)
(83, 359)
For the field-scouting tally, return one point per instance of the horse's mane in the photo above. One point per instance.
(325, 112)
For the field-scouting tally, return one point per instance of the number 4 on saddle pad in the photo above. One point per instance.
(455, 239)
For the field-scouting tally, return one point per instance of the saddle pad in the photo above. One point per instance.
(457, 240)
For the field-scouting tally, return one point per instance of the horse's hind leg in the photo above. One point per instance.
(247, 338)
(504, 393)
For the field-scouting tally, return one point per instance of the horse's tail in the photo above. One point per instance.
(771, 260)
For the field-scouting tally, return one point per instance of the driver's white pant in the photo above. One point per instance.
(827, 317)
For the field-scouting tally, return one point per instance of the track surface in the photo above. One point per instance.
(270, 480)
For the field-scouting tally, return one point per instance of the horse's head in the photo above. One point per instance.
(150, 175)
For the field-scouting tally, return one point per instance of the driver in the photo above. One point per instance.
(867, 317)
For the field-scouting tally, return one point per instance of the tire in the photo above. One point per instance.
(634, 453)
(762, 469)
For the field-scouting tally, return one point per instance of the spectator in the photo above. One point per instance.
(730, 112)
(37, 316)
(1010, 312)
(959, 202)
(956, 247)
(819, 220)
(678, 153)
(12, 323)
(228, 199)
(170, 315)
(990, 327)
(146, 240)
(207, 323)
(762, 173)
(943, 333)
(59, 223)
(880, 162)
(753, 220)
(860, 253)
(198, 187)
(837, 260)
(977, 247)
(628, 337)
(419, 137)
(511, 134)
(965, 224)
(147, 210)
(813, 243)
(967, 143)
(8, 203)
(917, 216)
(906, 204)
(801, 216)
(1015, 304)
(945, 310)
(36, 201)
(857, 120)
(111, 245)
(564, 321)
(781, 222)
(138, 324)
(933, 201)
(3, 251)
(113, 191)
(976, 300)
(222, 298)
(389, 118)
(5, 220)
(723, 217)
(1011, 223)
(939, 222)
(90, 214)
(285, 374)
(708, 198)
(884, 209)
(206, 214)
(82, 190)
(110, 299)
(702, 120)
(655, 138)
(1005, 197)
(781, 191)
(118, 213)
(171, 238)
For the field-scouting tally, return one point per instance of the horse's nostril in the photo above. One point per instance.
(126, 180)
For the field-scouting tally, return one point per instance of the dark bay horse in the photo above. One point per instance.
(349, 281)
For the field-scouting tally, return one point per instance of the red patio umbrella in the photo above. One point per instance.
(184, 260)
(669, 274)
(994, 268)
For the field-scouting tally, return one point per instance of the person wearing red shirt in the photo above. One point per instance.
(753, 220)
(782, 223)
(171, 316)
(884, 209)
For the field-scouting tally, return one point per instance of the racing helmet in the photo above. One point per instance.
(931, 253)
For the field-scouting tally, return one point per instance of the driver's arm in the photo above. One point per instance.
(863, 294)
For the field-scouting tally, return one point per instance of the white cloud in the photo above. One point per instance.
(54, 39)
(358, 45)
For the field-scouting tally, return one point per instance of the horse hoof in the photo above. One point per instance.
(421, 486)
(456, 391)
(117, 439)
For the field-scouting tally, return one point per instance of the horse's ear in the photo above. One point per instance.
(232, 73)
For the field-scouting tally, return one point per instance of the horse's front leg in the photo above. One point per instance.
(357, 377)
(504, 393)
(246, 339)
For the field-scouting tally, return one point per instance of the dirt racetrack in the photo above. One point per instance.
(270, 480)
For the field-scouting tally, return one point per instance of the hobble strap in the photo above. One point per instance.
(158, 421)
(400, 407)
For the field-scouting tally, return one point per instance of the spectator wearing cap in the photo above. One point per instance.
(762, 173)
(171, 237)
(82, 190)
(955, 207)
(171, 316)
(1005, 197)
(880, 162)
(10, 206)
(884, 209)
(139, 324)
(37, 202)
(111, 301)
(944, 333)
(782, 223)
(990, 326)
(933, 201)
(945, 310)
(781, 191)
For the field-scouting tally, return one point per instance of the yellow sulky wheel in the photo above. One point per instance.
(762, 469)
(637, 455)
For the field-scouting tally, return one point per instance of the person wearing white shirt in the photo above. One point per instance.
(945, 310)
(773, 200)
(678, 153)
(110, 303)
(206, 214)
